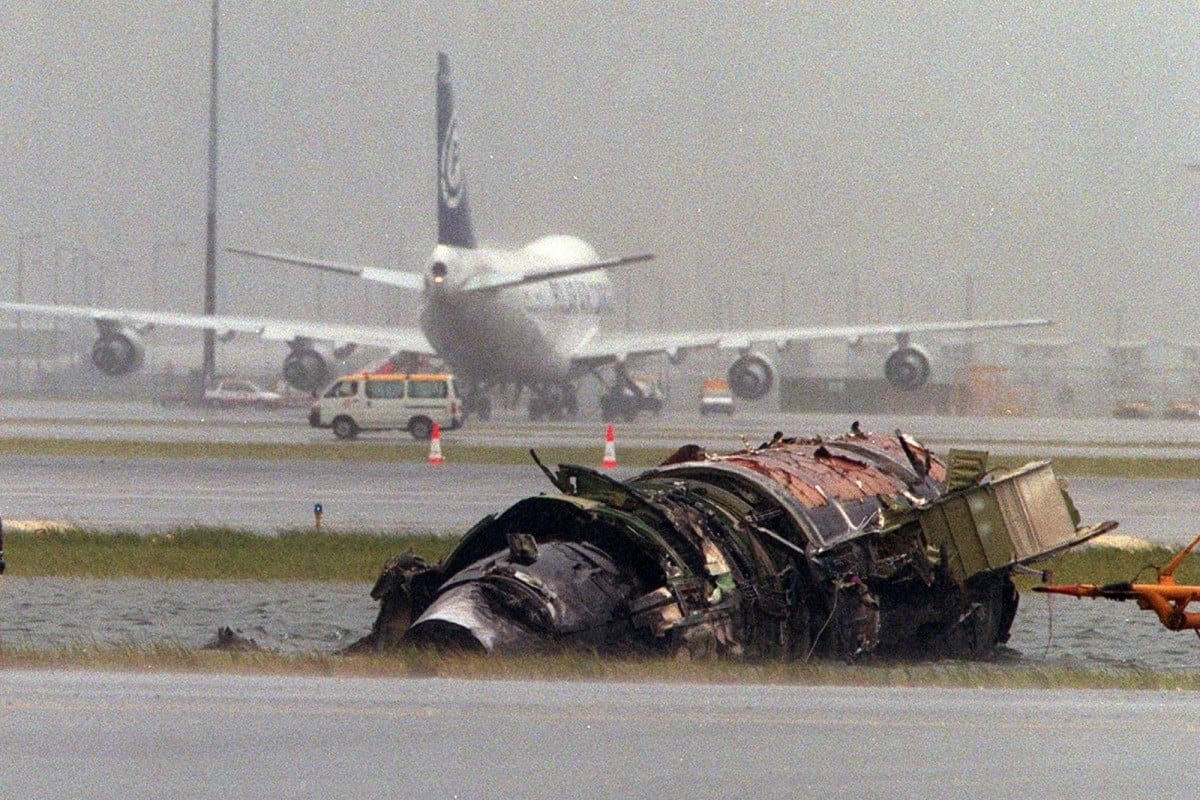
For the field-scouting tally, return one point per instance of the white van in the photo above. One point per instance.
(382, 402)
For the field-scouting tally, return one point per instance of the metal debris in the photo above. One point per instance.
(848, 547)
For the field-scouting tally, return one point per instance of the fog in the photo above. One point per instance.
(787, 162)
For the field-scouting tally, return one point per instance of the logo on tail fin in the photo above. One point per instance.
(450, 172)
(454, 216)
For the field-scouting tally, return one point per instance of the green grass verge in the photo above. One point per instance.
(212, 553)
(225, 554)
(411, 663)
(632, 455)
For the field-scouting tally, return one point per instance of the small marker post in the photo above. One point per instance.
(318, 510)
(435, 445)
(610, 449)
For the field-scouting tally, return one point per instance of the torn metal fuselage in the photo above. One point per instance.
(840, 547)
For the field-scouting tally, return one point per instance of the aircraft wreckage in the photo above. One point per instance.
(856, 546)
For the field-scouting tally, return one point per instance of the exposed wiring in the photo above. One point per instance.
(837, 589)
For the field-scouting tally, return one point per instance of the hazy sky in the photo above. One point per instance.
(784, 160)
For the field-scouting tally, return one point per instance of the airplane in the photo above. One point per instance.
(528, 317)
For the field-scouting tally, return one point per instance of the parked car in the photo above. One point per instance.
(1133, 409)
(236, 392)
(1183, 409)
(715, 397)
(380, 402)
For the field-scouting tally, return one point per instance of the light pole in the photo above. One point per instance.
(210, 250)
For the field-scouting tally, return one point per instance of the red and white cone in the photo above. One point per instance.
(610, 449)
(435, 445)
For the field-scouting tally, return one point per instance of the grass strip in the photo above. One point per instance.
(414, 663)
(212, 553)
(1103, 466)
(230, 554)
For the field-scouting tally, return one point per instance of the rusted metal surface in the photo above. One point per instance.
(814, 470)
(793, 549)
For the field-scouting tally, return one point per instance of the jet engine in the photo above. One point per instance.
(751, 376)
(305, 368)
(855, 546)
(907, 368)
(118, 351)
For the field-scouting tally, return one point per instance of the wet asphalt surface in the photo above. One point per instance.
(755, 422)
(150, 494)
(97, 735)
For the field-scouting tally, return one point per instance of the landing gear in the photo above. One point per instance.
(478, 403)
(553, 402)
(626, 397)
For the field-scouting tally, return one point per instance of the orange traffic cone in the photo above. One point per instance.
(435, 445)
(610, 449)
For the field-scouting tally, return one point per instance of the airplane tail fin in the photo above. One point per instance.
(454, 215)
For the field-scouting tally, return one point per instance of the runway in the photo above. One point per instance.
(112, 735)
(149, 494)
(1042, 436)
(261, 495)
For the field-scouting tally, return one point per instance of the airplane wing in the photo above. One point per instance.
(501, 280)
(281, 330)
(392, 277)
(604, 348)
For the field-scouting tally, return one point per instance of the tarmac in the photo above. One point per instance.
(112, 735)
(268, 495)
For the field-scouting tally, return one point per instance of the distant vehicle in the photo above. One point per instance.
(1133, 409)
(237, 393)
(635, 394)
(382, 402)
(1184, 409)
(715, 397)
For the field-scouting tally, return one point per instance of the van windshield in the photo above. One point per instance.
(427, 390)
(343, 389)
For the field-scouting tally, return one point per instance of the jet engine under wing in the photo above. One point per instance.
(392, 277)
(604, 348)
(408, 339)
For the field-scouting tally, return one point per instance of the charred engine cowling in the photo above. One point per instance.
(305, 368)
(118, 351)
(751, 376)
(907, 368)
(794, 549)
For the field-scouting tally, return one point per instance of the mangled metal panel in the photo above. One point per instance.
(1008, 518)
(844, 547)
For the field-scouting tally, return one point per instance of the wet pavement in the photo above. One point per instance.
(151, 494)
(1039, 435)
(317, 617)
(104, 735)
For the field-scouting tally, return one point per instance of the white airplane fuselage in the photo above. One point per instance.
(519, 334)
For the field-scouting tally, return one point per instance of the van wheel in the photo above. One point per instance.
(344, 428)
(420, 427)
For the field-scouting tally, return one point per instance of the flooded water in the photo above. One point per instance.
(313, 617)
(293, 616)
